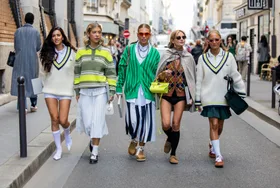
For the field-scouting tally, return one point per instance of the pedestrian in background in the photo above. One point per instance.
(27, 43)
(243, 50)
(114, 51)
(211, 88)
(263, 53)
(95, 83)
(230, 45)
(176, 67)
(58, 58)
(197, 51)
(137, 75)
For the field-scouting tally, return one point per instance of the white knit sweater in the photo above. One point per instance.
(60, 80)
(211, 86)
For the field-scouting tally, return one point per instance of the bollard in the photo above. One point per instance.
(22, 117)
(273, 84)
(248, 79)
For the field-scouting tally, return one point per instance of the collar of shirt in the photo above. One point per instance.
(221, 53)
(60, 51)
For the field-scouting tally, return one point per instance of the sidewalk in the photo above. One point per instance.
(16, 171)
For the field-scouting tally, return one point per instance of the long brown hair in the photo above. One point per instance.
(172, 37)
(90, 27)
(47, 54)
(207, 46)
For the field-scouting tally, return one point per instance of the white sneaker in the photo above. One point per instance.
(57, 155)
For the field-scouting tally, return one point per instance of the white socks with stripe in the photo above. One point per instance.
(68, 139)
(216, 146)
(57, 140)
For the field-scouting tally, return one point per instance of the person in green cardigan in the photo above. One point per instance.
(136, 75)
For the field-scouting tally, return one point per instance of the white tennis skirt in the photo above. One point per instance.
(91, 112)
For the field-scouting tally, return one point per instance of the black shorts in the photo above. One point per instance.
(174, 99)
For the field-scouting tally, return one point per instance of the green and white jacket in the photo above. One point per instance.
(136, 74)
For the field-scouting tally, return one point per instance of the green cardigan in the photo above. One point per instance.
(136, 74)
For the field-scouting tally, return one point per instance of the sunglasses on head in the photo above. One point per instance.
(212, 40)
(179, 37)
(144, 34)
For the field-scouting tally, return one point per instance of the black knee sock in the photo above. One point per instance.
(175, 136)
(168, 134)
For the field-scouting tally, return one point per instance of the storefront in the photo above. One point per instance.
(253, 24)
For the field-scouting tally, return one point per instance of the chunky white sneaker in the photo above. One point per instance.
(57, 155)
(93, 159)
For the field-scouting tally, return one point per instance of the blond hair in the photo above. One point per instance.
(144, 26)
(172, 37)
(90, 27)
(218, 33)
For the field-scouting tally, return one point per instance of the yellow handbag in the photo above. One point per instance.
(159, 87)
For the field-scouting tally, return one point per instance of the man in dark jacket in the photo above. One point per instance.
(197, 51)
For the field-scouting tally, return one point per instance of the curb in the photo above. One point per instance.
(22, 169)
(264, 113)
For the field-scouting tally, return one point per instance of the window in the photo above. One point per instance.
(263, 26)
(92, 5)
(228, 25)
(243, 29)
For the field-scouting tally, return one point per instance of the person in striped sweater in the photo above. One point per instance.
(95, 85)
(137, 74)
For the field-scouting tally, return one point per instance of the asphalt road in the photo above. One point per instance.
(251, 159)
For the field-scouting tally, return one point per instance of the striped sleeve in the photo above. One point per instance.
(121, 72)
(77, 72)
(110, 73)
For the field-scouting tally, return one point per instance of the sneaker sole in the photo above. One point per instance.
(140, 160)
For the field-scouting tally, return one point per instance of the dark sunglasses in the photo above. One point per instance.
(179, 37)
(144, 34)
(212, 40)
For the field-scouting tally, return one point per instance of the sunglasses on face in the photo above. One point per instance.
(212, 40)
(179, 37)
(144, 34)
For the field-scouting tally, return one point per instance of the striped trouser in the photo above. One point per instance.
(140, 121)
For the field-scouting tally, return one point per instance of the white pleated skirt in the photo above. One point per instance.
(91, 112)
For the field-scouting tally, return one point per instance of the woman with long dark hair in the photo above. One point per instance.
(263, 51)
(211, 88)
(58, 58)
(176, 67)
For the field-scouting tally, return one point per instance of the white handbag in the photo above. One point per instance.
(109, 109)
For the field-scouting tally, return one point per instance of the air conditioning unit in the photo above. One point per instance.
(103, 3)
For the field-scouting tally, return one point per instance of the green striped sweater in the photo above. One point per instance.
(136, 74)
(94, 68)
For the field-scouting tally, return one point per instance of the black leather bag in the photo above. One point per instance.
(11, 59)
(235, 102)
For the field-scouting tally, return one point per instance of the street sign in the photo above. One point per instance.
(255, 4)
(126, 34)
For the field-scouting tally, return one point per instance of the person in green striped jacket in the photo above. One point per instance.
(137, 74)
(95, 85)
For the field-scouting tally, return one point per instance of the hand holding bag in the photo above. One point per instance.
(11, 59)
(235, 102)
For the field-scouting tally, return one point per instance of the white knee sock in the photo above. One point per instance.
(57, 140)
(68, 139)
(216, 146)
(94, 150)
